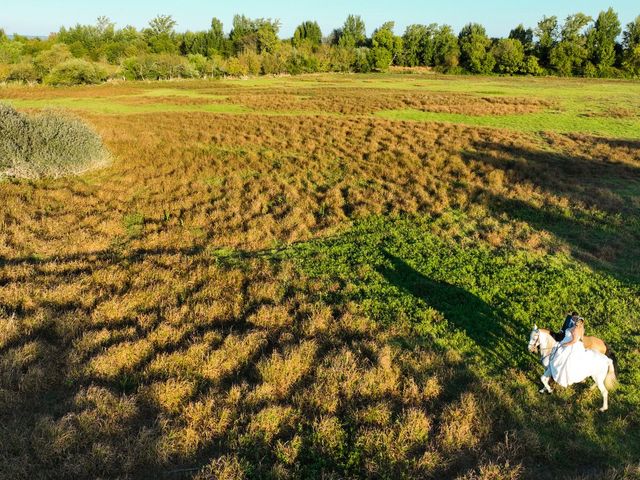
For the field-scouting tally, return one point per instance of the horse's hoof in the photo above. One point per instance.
(603, 409)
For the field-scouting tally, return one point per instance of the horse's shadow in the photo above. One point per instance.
(486, 326)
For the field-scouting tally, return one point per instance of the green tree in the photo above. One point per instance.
(353, 33)
(160, 35)
(3, 36)
(525, 37)
(631, 35)
(631, 46)
(207, 43)
(243, 34)
(88, 40)
(601, 41)
(216, 35)
(267, 35)
(474, 49)
(547, 32)
(509, 55)
(568, 57)
(380, 59)
(419, 45)
(162, 25)
(384, 39)
(307, 33)
(259, 35)
(446, 51)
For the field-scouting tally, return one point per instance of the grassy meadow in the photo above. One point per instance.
(325, 276)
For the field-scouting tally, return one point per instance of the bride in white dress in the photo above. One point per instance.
(571, 362)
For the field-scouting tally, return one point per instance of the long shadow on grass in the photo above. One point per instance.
(485, 325)
(601, 244)
(606, 234)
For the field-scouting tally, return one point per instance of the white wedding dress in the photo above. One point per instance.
(571, 363)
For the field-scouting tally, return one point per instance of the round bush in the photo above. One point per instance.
(47, 145)
(76, 72)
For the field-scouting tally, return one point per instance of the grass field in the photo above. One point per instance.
(328, 276)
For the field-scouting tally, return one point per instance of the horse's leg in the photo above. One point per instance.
(545, 381)
(603, 390)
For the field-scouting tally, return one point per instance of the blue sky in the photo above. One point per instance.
(40, 17)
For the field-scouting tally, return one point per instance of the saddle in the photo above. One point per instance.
(590, 343)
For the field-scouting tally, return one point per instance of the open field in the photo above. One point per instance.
(328, 276)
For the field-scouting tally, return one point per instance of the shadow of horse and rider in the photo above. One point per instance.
(498, 337)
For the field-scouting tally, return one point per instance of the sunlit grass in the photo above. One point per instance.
(557, 121)
(179, 92)
(113, 107)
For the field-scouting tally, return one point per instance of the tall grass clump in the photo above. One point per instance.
(46, 145)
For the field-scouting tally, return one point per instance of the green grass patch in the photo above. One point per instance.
(133, 223)
(563, 122)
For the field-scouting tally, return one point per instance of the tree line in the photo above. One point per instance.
(577, 46)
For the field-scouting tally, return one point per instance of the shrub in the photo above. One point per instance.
(216, 66)
(168, 66)
(23, 72)
(11, 52)
(4, 72)
(47, 60)
(362, 63)
(273, 64)
(46, 145)
(236, 69)
(299, 62)
(158, 67)
(590, 70)
(198, 62)
(205, 67)
(341, 59)
(251, 62)
(530, 66)
(138, 68)
(76, 72)
(381, 59)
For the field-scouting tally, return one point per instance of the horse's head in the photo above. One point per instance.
(534, 339)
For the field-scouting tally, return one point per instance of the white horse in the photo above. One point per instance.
(601, 370)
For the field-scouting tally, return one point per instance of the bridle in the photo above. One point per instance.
(536, 347)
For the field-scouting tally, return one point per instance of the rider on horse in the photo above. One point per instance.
(569, 322)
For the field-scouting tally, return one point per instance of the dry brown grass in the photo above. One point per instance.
(363, 101)
(132, 344)
(250, 181)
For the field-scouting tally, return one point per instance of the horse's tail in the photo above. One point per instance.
(610, 380)
(609, 353)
